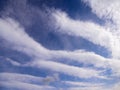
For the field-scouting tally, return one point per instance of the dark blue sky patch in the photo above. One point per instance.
(3, 3)
(15, 55)
(76, 9)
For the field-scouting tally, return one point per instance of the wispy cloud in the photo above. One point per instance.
(109, 12)
(66, 69)
(20, 78)
(82, 84)
(29, 82)
(42, 58)
(24, 86)
(101, 9)
(95, 33)
(37, 51)
(31, 47)
(87, 88)
(12, 32)
(26, 81)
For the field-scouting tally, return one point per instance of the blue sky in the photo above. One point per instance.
(59, 45)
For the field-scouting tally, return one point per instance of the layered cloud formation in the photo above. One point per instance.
(92, 71)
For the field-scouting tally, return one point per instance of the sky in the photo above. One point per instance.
(59, 45)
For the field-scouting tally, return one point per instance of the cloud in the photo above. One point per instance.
(83, 84)
(95, 33)
(89, 58)
(87, 30)
(53, 78)
(101, 9)
(87, 88)
(116, 86)
(13, 33)
(109, 12)
(81, 57)
(17, 37)
(23, 81)
(26, 13)
(66, 69)
(13, 62)
(24, 86)
(74, 85)
(20, 78)
(28, 82)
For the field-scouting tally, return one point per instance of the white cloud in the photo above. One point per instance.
(13, 62)
(66, 69)
(82, 57)
(28, 82)
(20, 78)
(24, 86)
(93, 32)
(13, 33)
(87, 88)
(88, 58)
(26, 78)
(83, 84)
(107, 36)
(16, 36)
(109, 11)
(88, 30)
(116, 86)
